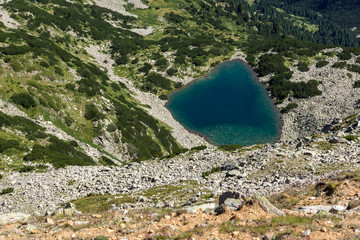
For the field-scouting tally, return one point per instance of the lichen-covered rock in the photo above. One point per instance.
(234, 204)
(13, 217)
(266, 205)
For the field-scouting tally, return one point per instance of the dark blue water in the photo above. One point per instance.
(228, 107)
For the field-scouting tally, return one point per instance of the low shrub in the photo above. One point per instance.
(198, 148)
(303, 67)
(24, 169)
(24, 99)
(7, 191)
(321, 64)
(92, 113)
(289, 107)
(230, 148)
(357, 84)
(163, 97)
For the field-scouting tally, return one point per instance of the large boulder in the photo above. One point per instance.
(353, 204)
(13, 218)
(234, 204)
(266, 205)
(228, 166)
(227, 195)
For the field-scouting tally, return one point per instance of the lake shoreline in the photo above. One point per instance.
(254, 77)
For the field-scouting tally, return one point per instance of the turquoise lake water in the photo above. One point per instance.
(228, 107)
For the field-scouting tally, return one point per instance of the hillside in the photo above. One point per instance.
(84, 85)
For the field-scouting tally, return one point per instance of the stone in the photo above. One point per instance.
(13, 218)
(323, 229)
(233, 173)
(234, 204)
(266, 237)
(227, 195)
(32, 229)
(267, 206)
(306, 233)
(327, 128)
(219, 210)
(357, 230)
(229, 166)
(50, 221)
(318, 208)
(334, 140)
(353, 204)
(81, 223)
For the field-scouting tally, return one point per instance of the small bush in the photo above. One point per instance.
(230, 148)
(350, 137)
(16, 66)
(163, 97)
(24, 169)
(198, 148)
(339, 65)
(303, 67)
(289, 107)
(44, 64)
(171, 71)
(1, 176)
(357, 84)
(58, 71)
(68, 120)
(321, 64)
(106, 161)
(7, 191)
(92, 113)
(213, 170)
(70, 86)
(24, 99)
(111, 128)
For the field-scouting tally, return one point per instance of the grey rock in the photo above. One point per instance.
(318, 208)
(353, 204)
(13, 217)
(267, 206)
(306, 233)
(229, 166)
(334, 140)
(327, 128)
(227, 195)
(80, 223)
(233, 173)
(30, 228)
(219, 210)
(234, 204)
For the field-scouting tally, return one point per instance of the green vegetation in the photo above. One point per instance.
(23, 99)
(303, 67)
(289, 107)
(92, 113)
(321, 63)
(350, 137)
(198, 148)
(7, 191)
(59, 153)
(357, 84)
(213, 170)
(230, 148)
